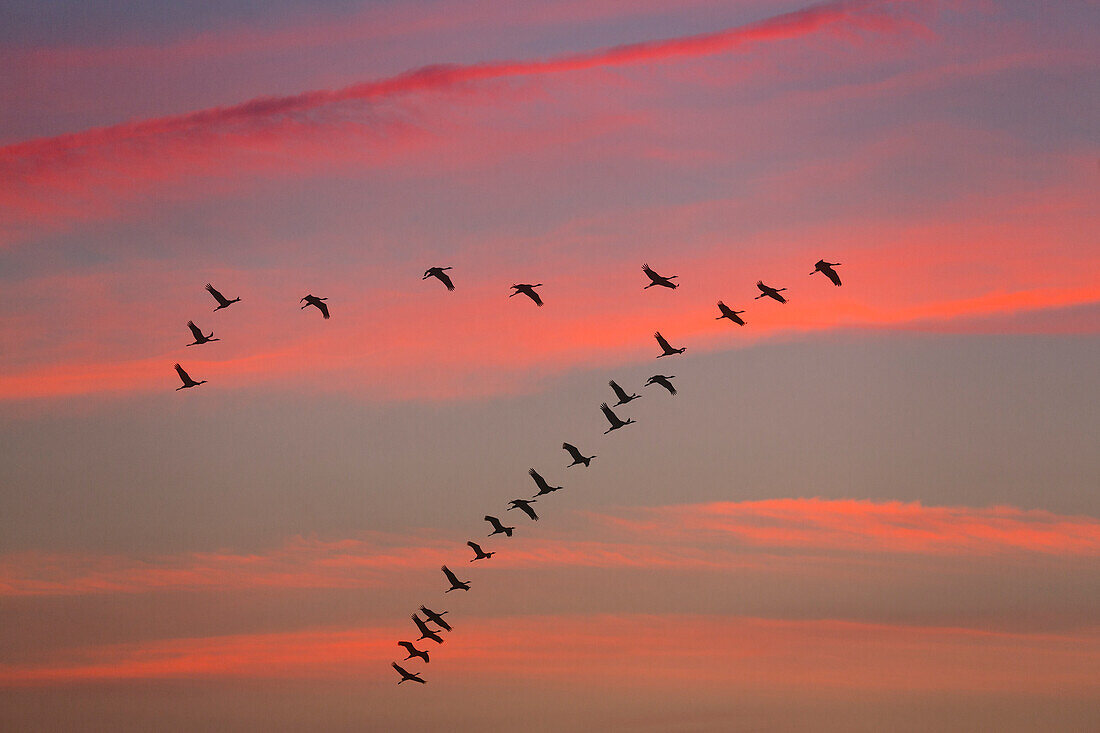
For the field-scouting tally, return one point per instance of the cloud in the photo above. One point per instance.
(623, 651)
(50, 178)
(875, 527)
(718, 536)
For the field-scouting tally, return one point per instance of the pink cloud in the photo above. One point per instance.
(48, 179)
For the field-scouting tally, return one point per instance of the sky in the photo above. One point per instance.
(872, 508)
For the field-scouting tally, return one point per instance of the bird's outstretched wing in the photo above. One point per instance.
(450, 576)
(661, 340)
(650, 272)
(446, 280)
(217, 296)
(832, 275)
(608, 413)
(619, 391)
(195, 330)
(539, 480)
(323, 307)
(535, 297)
(572, 449)
(475, 547)
(183, 374)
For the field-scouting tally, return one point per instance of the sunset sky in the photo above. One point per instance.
(873, 508)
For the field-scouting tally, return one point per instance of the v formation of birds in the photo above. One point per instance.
(435, 618)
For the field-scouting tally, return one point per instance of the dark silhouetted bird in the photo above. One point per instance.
(456, 584)
(479, 554)
(529, 291)
(612, 418)
(498, 528)
(222, 301)
(438, 272)
(197, 333)
(544, 488)
(407, 676)
(425, 632)
(621, 393)
(663, 381)
(578, 457)
(668, 350)
(436, 618)
(729, 313)
(413, 651)
(766, 291)
(826, 268)
(187, 381)
(655, 279)
(524, 505)
(318, 303)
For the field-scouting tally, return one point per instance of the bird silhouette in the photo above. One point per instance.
(438, 272)
(425, 632)
(544, 488)
(223, 302)
(187, 381)
(578, 457)
(197, 333)
(479, 554)
(524, 505)
(407, 676)
(826, 268)
(316, 302)
(413, 651)
(621, 394)
(668, 350)
(766, 291)
(612, 418)
(663, 381)
(729, 313)
(655, 279)
(456, 584)
(529, 291)
(498, 528)
(436, 618)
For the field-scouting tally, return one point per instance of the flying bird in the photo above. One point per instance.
(187, 381)
(524, 505)
(729, 313)
(438, 272)
(578, 457)
(425, 632)
(529, 291)
(407, 676)
(827, 269)
(436, 618)
(655, 279)
(612, 418)
(668, 350)
(456, 584)
(663, 381)
(770, 292)
(413, 651)
(223, 302)
(319, 303)
(498, 528)
(197, 333)
(479, 554)
(621, 394)
(544, 488)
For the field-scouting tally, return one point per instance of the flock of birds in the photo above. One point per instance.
(766, 291)
(435, 618)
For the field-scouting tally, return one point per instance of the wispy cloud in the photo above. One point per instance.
(709, 537)
(621, 650)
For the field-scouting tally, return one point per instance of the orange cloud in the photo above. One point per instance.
(718, 536)
(870, 526)
(621, 651)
